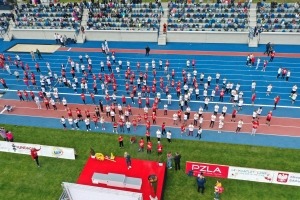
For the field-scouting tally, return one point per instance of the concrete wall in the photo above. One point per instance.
(280, 38)
(42, 34)
(152, 36)
(119, 35)
(207, 37)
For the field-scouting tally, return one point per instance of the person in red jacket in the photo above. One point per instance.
(141, 145)
(95, 120)
(93, 97)
(233, 115)
(276, 100)
(83, 97)
(35, 156)
(221, 95)
(9, 136)
(32, 95)
(46, 101)
(149, 147)
(255, 125)
(3, 82)
(20, 95)
(253, 98)
(120, 139)
(79, 115)
(134, 124)
(147, 135)
(123, 100)
(148, 125)
(87, 113)
(153, 118)
(26, 95)
(269, 117)
(159, 148)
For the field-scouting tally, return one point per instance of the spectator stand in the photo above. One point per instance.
(277, 17)
(5, 21)
(48, 16)
(208, 17)
(113, 16)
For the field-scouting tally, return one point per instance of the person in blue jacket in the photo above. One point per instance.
(201, 183)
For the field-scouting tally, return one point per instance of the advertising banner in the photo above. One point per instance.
(243, 173)
(47, 151)
(250, 174)
(211, 170)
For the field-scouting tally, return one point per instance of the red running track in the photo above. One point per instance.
(279, 126)
(178, 52)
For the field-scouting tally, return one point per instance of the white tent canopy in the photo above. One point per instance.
(81, 192)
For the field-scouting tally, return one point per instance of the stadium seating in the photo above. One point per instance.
(49, 17)
(4, 22)
(124, 17)
(207, 17)
(273, 17)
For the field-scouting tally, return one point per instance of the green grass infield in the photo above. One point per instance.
(20, 178)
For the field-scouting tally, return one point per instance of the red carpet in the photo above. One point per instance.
(140, 169)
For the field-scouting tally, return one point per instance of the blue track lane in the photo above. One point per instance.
(231, 67)
(209, 136)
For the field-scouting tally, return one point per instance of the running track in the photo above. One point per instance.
(288, 126)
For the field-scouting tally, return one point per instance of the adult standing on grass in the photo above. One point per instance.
(35, 156)
(169, 160)
(9, 136)
(128, 160)
(177, 158)
(149, 147)
(201, 180)
(159, 148)
(141, 145)
(120, 139)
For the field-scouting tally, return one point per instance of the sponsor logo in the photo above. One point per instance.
(57, 152)
(206, 169)
(212, 170)
(282, 177)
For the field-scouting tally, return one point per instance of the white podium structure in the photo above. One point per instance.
(80, 192)
(117, 180)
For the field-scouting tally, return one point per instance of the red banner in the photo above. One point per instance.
(212, 170)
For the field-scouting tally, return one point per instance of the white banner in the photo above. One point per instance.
(250, 174)
(265, 176)
(47, 151)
